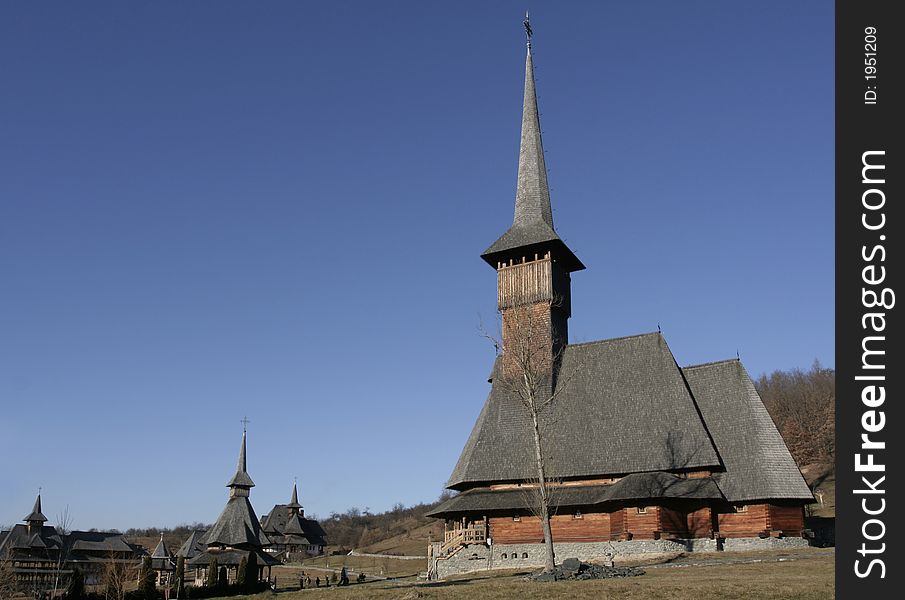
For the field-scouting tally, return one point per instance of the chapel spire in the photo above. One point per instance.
(532, 226)
(294, 502)
(241, 482)
(36, 516)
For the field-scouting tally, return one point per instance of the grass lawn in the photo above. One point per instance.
(808, 577)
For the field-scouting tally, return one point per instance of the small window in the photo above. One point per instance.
(516, 518)
(642, 510)
(524, 555)
(578, 515)
(515, 555)
(741, 508)
(505, 555)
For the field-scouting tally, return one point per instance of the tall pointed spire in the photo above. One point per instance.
(294, 502)
(36, 516)
(241, 480)
(532, 226)
(532, 196)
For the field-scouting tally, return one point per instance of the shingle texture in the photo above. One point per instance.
(236, 526)
(18, 538)
(241, 478)
(36, 515)
(279, 522)
(623, 407)
(192, 546)
(758, 463)
(635, 487)
(161, 550)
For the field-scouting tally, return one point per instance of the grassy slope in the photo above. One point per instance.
(808, 578)
(412, 542)
(823, 478)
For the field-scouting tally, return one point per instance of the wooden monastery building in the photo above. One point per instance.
(645, 455)
(44, 559)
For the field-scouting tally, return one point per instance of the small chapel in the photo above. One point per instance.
(293, 536)
(643, 455)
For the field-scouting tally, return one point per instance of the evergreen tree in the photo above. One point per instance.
(251, 572)
(223, 578)
(76, 588)
(212, 571)
(180, 577)
(146, 581)
(240, 574)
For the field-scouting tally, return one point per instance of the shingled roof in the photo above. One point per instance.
(279, 522)
(241, 478)
(758, 463)
(623, 408)
(36, 516)
(19, 538)
(532, 227)
(637, 487)
(192, 546)
(237, 525)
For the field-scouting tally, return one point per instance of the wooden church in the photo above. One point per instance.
(643, 455)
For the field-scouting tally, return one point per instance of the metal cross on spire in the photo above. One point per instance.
(245, 423)
(528, 31)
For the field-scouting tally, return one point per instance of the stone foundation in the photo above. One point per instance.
(479, 557)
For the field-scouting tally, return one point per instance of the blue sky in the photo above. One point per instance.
(214, 209)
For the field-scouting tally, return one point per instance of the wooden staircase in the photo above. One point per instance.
(457, 538)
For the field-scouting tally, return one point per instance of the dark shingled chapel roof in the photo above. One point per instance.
(758, 463)
(161, 550)
(241, 478)
(36, 515)
(42, 538)
(279, 522)
(532, 227)
(638, 487)
(624, 407)
(192, 546)
(237, 525)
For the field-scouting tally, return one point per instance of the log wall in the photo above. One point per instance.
(527, 530)
(591, 527)
(673, 522)
(642, 526)
(757, 520)
(617, 524)
(750, 523)
(787, 519)
(700, 523)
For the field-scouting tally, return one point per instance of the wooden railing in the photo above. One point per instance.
(459, 537)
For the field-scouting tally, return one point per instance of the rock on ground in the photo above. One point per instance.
(572, 568)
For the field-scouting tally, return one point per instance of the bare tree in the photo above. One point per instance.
(118, 574)
(803, 403)
(530, 354)
(63, 525)
(8, 587)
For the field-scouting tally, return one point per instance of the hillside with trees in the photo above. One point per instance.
(803, 406)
